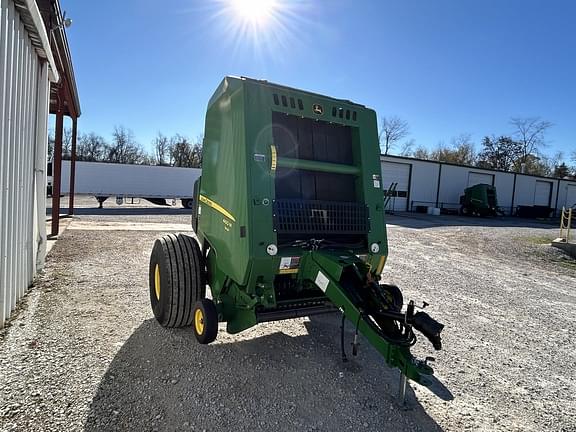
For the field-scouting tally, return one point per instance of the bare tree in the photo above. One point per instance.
(180, 151)
(463, 151)
(407, 148)
(529, 132)
(421, 153)
(562, 171)
(148, 159)
(67, 143)
(197, 152)
(124, 149)
(184, 153)
(550, 164)
(161, 149)
(499, 153)
(51, 143)
(91, 147)
(392, 130)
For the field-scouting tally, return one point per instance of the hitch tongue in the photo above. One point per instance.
(355, 345)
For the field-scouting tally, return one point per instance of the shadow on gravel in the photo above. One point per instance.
(164, 380)
(415, 220)
(439, 389)
(125, 211)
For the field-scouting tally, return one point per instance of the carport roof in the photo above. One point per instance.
(32, 20)
(66, 87)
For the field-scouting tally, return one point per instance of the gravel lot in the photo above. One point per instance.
(84, 353)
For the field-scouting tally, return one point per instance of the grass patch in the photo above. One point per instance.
(569, 264)
(538, 240)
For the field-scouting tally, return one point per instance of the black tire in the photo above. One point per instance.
(205, 321)
(177, 279)
(188, 203)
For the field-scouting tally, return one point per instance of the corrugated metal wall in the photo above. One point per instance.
(23, 114)
(513, 189)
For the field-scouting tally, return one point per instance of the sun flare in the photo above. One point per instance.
(265, 27)
(255, 12)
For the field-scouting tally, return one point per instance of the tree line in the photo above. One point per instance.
(177, 150)
(522, 151)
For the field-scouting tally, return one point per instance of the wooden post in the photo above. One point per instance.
(57, 169)
(73, 165)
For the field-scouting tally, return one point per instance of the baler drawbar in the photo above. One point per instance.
(289, 222)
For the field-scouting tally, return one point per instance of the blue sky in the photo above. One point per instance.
(446, 66)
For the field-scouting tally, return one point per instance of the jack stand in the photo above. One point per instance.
(342, 348)
(402, 390)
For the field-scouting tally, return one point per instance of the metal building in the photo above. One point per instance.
(31, 34)
(438, 184)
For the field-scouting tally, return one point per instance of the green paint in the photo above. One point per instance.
(238, 176)
(331, 266)
(480, 199)
(317, 166)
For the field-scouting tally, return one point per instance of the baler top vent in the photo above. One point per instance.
(341, 113)
(283, 100)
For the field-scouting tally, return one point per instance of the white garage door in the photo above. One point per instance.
(475, 178)
(570, 196)
(542, 193)
(393, 172)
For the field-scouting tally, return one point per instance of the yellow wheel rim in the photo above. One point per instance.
(199, 321)
(157, 281)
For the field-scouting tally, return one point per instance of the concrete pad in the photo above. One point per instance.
(569, 248)
(64, 222)
(127, 226)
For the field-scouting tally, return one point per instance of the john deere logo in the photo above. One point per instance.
(317, 108)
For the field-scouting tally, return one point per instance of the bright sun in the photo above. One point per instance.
(267, 26)
(255, 12)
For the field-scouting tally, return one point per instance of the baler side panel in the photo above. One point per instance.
(371, 185)
(223, 188)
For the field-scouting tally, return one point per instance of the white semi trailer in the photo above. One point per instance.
(153, 183)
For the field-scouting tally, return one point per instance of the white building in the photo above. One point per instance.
(439, 184)
(31, 68)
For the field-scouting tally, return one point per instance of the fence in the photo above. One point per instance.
(565, 224)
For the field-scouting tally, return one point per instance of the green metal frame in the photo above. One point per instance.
(476, 198)
(237, 191)
(329, 267)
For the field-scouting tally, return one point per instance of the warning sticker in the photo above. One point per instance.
(377, 184)
(289, 265)
(322, 281)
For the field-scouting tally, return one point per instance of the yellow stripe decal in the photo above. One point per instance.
(381, 264)
(288, 271)
(217, 207)
(274, 158)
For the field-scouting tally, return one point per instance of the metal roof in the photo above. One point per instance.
(31, 19)
(52, 16)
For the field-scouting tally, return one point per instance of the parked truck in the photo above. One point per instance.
(153, 183)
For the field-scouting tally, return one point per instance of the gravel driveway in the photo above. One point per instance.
(83, 352)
